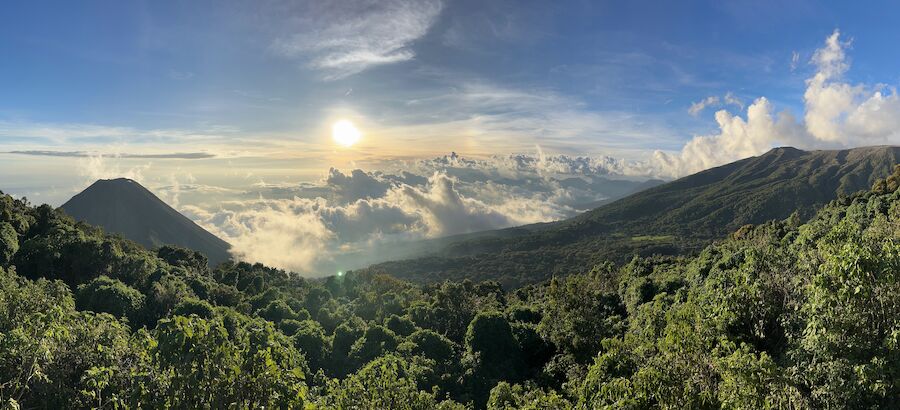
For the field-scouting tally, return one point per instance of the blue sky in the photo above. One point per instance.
(225, 109)
(219, 68)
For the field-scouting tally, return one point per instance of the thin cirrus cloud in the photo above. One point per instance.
(103, 135)
(84, 154)
(345, 38)
(714, 101)
(485, 118)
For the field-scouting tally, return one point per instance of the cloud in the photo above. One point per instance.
(107, 139)
(180, 75)
(714, 101)
(731, 99)
(97, 167)
(843, 113)
(357, 185)
(795, 60)
(353, 213)
(486, 118)
(303, 234)
(345, 37)
(698, 106)
(527, 166)
(737, 138)
(82, 154)
(837, 115)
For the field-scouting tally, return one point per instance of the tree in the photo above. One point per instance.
(207, 366)
(9, 243)
(309, 338)
(492, 354)
(400, 325)
(385, 383)
(111, 296)
(505, 396)
(165, 294)
(582, 310)
(183, 257)
(376, 341)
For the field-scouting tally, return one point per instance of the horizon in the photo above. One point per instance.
(449, 204)
(341, 132)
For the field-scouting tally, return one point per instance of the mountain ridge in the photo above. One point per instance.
(125, 207)
(678, 217)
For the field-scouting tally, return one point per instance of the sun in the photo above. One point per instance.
(345, 133)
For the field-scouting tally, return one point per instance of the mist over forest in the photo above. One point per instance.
(449, 204)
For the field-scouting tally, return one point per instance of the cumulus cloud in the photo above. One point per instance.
(348, 36)
(847, 114)
(357, 185)
(524, 166)
(311, 227)
(737, 138)
(96, 167)
(304, 234)
(837, 114)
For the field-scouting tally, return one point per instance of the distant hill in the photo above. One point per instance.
(125, 207)
(611, 189)
(677, 217)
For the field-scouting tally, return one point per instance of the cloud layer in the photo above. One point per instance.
(311, 227)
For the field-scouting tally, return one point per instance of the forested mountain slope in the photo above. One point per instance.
(125, 207)
(679, 217)
(777, 315)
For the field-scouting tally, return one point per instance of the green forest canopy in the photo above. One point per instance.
(778, 315)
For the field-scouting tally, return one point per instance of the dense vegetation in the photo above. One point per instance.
(677, 218)
(778, 315)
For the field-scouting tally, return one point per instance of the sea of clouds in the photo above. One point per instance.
(312, 227)
(337, 222)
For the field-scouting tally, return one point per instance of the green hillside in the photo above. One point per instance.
(679, 217)
(776, 315)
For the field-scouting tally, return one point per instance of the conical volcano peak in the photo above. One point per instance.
(125, 207)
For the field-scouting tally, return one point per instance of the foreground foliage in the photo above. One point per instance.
(779, 315)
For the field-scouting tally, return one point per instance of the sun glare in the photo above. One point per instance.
(345, 133)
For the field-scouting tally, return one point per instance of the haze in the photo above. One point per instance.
(301, 132)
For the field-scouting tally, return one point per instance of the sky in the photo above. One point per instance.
(471, 114)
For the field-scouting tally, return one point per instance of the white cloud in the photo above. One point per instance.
(348, 36)
(699, 106)
(96, 167)
(737, 138)
(843, 113)
(32, 137)
(486, 118)
(303, 234)
(715, 101)
(731, 99)
(309, 227)
(837, 114)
